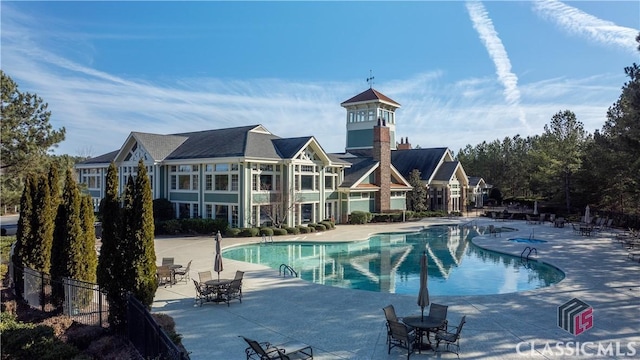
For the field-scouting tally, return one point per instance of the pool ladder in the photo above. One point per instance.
(284, 268)
(531, 249)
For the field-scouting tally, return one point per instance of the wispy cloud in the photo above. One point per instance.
(489, 36)
(592, 28)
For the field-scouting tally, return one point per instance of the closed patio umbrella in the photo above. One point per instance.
(217, 262)
(535, 208)
(423, 294)
(587, 215)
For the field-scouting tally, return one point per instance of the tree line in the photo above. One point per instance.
(566, 166)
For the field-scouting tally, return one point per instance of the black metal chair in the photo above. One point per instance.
(451, 339)
(182, 274)
(203, 293)
(232, 292)
(402, 336)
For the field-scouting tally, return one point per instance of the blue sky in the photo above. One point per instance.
(464, 72)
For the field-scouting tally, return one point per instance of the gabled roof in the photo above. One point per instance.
(359, 168)
(446, 170)
(370, 94)
(102, 159)
(475, 180)
(425, 160)
(229, 142)
(158, 146)
(288, 148)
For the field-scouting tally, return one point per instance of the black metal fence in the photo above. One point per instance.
(147, 336)
(86, 303)
(83, 302)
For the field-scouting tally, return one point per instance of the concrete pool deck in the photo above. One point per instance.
(349, 324)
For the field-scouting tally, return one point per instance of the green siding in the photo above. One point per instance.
(360, 205)
(332, 196)
(309, 197)
(190, 197)
(221, 198)
(398, 204)
(162, 173)
(360, 138)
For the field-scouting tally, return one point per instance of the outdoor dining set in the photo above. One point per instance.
(170, 273)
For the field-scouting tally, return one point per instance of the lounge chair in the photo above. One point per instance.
(450, 338)
(182, 274)
(265, 351)
(402, 336)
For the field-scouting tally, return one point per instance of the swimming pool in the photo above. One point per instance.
(389, 262)
(528, 241)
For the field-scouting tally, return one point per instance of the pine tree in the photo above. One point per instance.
(111, 253)
(417, 199)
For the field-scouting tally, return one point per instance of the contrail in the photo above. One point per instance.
(578, 22)
(484, 26)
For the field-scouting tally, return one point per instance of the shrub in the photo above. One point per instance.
(293, 230)
(279, 231)
(163, 210)
(328, 224)
(232, 232)
(320, 227)
(266, 231)
(311, 228)
(359, 217)
(249, 232)
(303, 229)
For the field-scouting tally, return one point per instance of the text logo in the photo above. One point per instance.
(575, 316)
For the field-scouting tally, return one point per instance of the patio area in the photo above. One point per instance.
(350, 324)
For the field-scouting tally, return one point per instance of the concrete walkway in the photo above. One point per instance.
(349, 324)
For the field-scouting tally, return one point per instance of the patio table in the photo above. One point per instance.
(422, 325)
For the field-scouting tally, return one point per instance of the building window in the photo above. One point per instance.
(222, 212)
(208, 211)
(266, 182)
(184, 177)
(234, 182)
(222, 182)
(234, 216)
(208, 182)
(364, 195)
(222, 167)
(306, 182)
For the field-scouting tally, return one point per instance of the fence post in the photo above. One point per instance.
(42, 295)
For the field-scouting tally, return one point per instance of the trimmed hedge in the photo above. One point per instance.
(292, 230)
(232, 232)
(279, 231)
(303, 229)
(320, 227)
(359, 217)
(328, 224)
(249, 232)
(266, 231)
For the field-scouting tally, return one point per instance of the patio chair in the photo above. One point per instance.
(232, 292)
(182, 274)
(203, 293)
(239, 275)
(266, 351)
(205, 276)
(401, 336)
(438, 311)
(390, 314)
(167, 261)
(451, 339)
(165, 276)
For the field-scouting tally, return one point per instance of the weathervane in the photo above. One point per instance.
(370, 79)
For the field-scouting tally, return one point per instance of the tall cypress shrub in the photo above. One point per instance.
(43, 226)
(24, 232)
(111, 260)
(67, 256)
(143, 235)
(90, 263)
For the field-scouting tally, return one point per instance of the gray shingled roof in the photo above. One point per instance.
(474, 180)
(368, 95)
(159, 146)
(425, 160)
(101, 159)
(446, 170)
(287, 148)
(359, 167)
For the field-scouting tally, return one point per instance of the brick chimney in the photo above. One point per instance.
(404, 145)
(382, 154)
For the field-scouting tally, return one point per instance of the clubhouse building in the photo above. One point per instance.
(251, 177)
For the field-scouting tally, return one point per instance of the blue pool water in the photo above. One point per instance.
(389, 262)
(527, 240)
